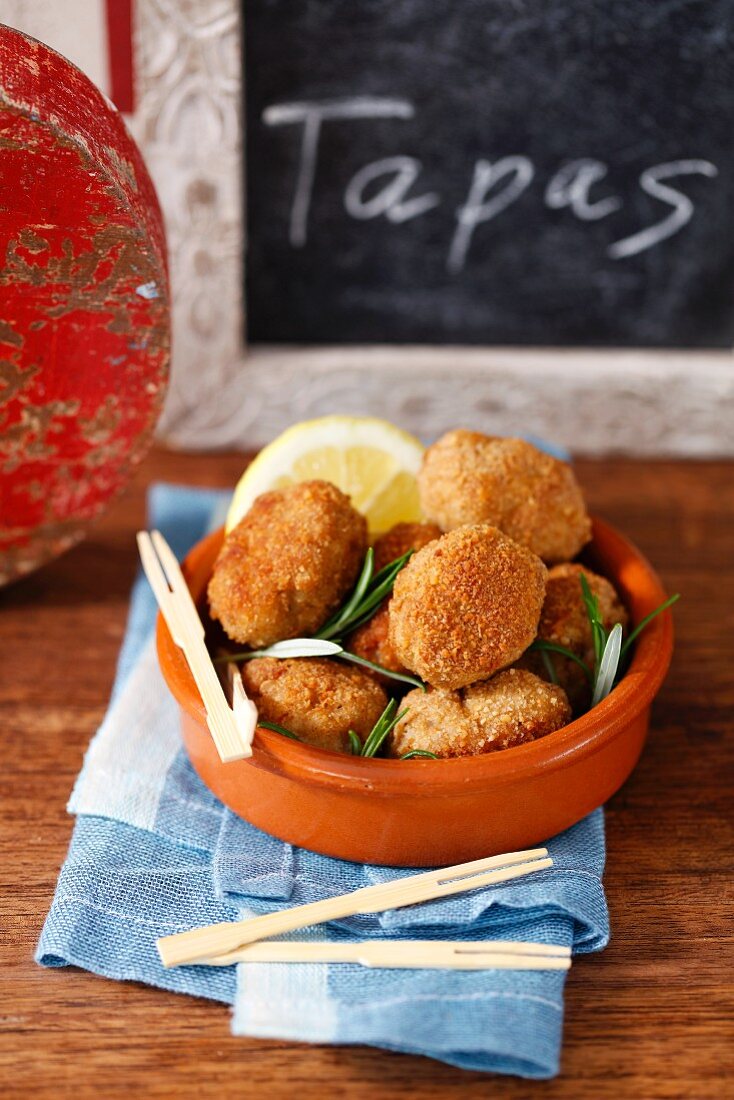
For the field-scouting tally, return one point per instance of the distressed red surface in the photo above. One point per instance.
(84, 320)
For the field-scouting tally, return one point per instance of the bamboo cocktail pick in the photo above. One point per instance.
(231, 727)
(407, 954)
(201, 944)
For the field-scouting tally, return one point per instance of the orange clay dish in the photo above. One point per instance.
(420, 700)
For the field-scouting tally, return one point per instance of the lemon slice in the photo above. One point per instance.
(372, 461)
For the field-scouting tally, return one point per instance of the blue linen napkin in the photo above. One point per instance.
(154, 852)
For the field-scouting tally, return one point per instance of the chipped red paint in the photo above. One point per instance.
(84, 318)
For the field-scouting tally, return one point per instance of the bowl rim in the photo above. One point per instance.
(582, 737)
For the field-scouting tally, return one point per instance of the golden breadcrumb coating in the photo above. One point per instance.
(467, 477)
(372, 641)
(564, 621)
(466, 605)
(317, 699)
(510, 709)
(400, 539)
(288, 564)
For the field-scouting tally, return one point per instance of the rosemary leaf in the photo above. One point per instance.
(382, 727)
(643, 623)
(335, 623)
(367, 596)
(541, 646)
(345, 655)
(393, 566)
(607, 668)
(291, 647)
(550, 668)
(370, 603)
(376, 736)
(423, 753)
(355, 743)
(365, 616)
(277, 729)
(598, 633)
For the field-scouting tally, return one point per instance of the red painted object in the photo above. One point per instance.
(84, 317)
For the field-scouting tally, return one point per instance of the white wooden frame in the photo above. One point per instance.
(187, 122)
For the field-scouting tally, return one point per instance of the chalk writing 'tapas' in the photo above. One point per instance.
(383, 188)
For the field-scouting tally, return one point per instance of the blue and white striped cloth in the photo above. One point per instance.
(153, 852)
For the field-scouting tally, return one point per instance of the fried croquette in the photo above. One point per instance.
(317, 699)
(467, 477)
(372, 640)
(510, 709)
(466, 606)
(400, 539)
(288, 564)
(564, 620)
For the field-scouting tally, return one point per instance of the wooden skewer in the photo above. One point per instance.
(231, 728)
(407, 954)
(243, 708)
(221, 939)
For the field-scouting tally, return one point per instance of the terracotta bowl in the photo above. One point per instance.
(425, 812)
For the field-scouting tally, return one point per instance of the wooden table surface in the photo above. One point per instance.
(650, 1017)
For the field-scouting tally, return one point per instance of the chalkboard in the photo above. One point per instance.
(546, 172)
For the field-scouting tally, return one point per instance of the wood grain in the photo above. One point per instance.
(651, 1017)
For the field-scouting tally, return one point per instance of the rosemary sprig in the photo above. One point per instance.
(334, 624)
(423, 753)
(319, 647)
(609, 649)
(616, 651)
(382, 727)
(368, 594)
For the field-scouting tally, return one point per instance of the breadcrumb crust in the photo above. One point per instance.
(466, 606)
(467, 478)
(510, 709)
(318, 699)
(288, 564)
